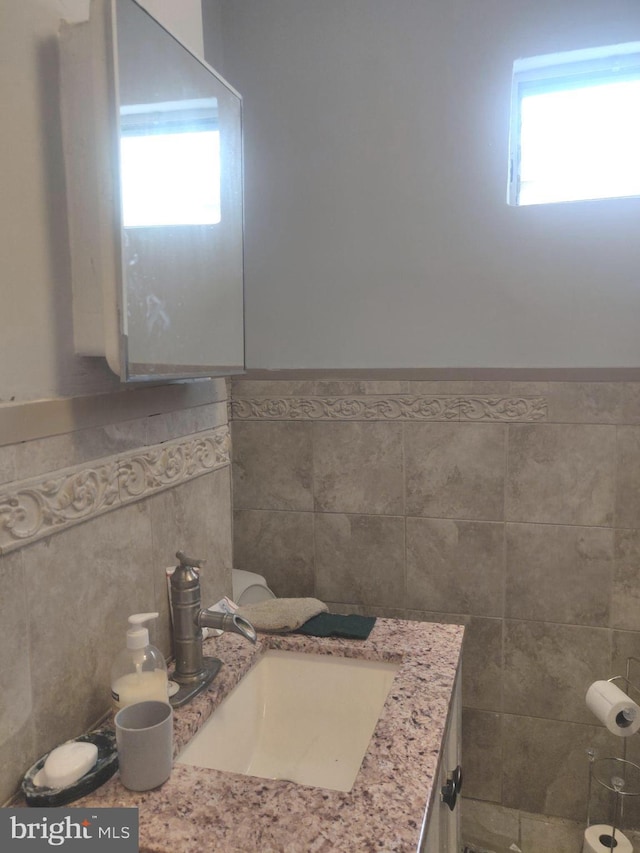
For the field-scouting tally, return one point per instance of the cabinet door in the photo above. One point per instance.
(443, 827)
(453, 772)
(154, 170)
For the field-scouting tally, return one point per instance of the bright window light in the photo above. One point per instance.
(575, 131)
(171, 179)
(170, 163)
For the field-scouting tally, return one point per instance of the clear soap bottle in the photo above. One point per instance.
(139, 672)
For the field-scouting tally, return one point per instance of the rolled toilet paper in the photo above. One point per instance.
(614, 708)
(593, 844)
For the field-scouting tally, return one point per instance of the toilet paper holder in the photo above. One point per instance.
(629, 685)
(622, 779)
(617, 775)
(614, 706)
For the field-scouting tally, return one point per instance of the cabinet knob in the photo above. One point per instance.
(452, 788)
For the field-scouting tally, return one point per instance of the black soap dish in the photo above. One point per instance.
(104, 768)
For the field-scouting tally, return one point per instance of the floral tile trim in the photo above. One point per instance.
(32, 509)
(392, 408)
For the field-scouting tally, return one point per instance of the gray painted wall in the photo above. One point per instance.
(377, 229)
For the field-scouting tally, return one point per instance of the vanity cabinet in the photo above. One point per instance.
(409, 758)
(443, 827)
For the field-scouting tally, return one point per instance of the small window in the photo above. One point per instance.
(170, 163)
(575, 126)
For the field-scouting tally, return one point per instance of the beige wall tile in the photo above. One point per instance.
(279, 546)
(81, 587)
(165, 427)
(559, 573)
(482, 754)
(482, 664)
(490, 827)
(545, 766)
(444, 618)
(550, 836)
(561, 474)
(628, 477)
(548, 668)
(360, 559)
(17, 755)
(560, 500)
(455, 470)
(246, 389)
(590, 402)
(347, 387)
(487, 826)
(459, 386)
(15, 666)
(626, 644)
(17, 720)
(455, 566)
(625, 596)
(366, 610)
(74, 448)
(357, 467)
(631, 407)
(60, 451)
(529, 388)
(272, 465)
(7, 464)
(195, 518)
(80, 584)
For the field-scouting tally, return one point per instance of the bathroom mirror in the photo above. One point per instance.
(153, 147)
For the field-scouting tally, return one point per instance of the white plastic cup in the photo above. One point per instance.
(144, 738)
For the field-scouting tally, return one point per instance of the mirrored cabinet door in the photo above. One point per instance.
(156, 221)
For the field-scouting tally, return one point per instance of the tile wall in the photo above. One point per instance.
(512, 507)
(88, 522)
(488, 828)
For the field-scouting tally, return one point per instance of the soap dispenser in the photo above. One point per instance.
(139, 672)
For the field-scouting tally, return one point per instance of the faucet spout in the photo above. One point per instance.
(228, 622)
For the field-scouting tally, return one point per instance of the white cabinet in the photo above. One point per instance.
(443, 827)
(153, 157)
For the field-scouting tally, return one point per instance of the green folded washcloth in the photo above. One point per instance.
(351, 627)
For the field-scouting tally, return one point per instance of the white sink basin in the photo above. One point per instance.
(302, 717)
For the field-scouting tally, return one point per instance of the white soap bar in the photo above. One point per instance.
(67, 763)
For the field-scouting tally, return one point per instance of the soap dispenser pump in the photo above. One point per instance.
(139, 672)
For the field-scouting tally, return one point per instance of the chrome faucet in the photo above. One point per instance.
(193, 671)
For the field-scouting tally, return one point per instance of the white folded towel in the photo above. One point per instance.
(279, 615)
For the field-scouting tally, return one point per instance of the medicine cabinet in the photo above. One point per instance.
(153, 157)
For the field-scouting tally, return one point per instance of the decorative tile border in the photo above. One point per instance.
(32, 509)
(392, 408)
(503, 408)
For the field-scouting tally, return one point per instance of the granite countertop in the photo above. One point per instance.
(209, 810)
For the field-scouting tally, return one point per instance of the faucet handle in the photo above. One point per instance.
(189, 562)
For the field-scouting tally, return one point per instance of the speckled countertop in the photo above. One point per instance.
(209, 810)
